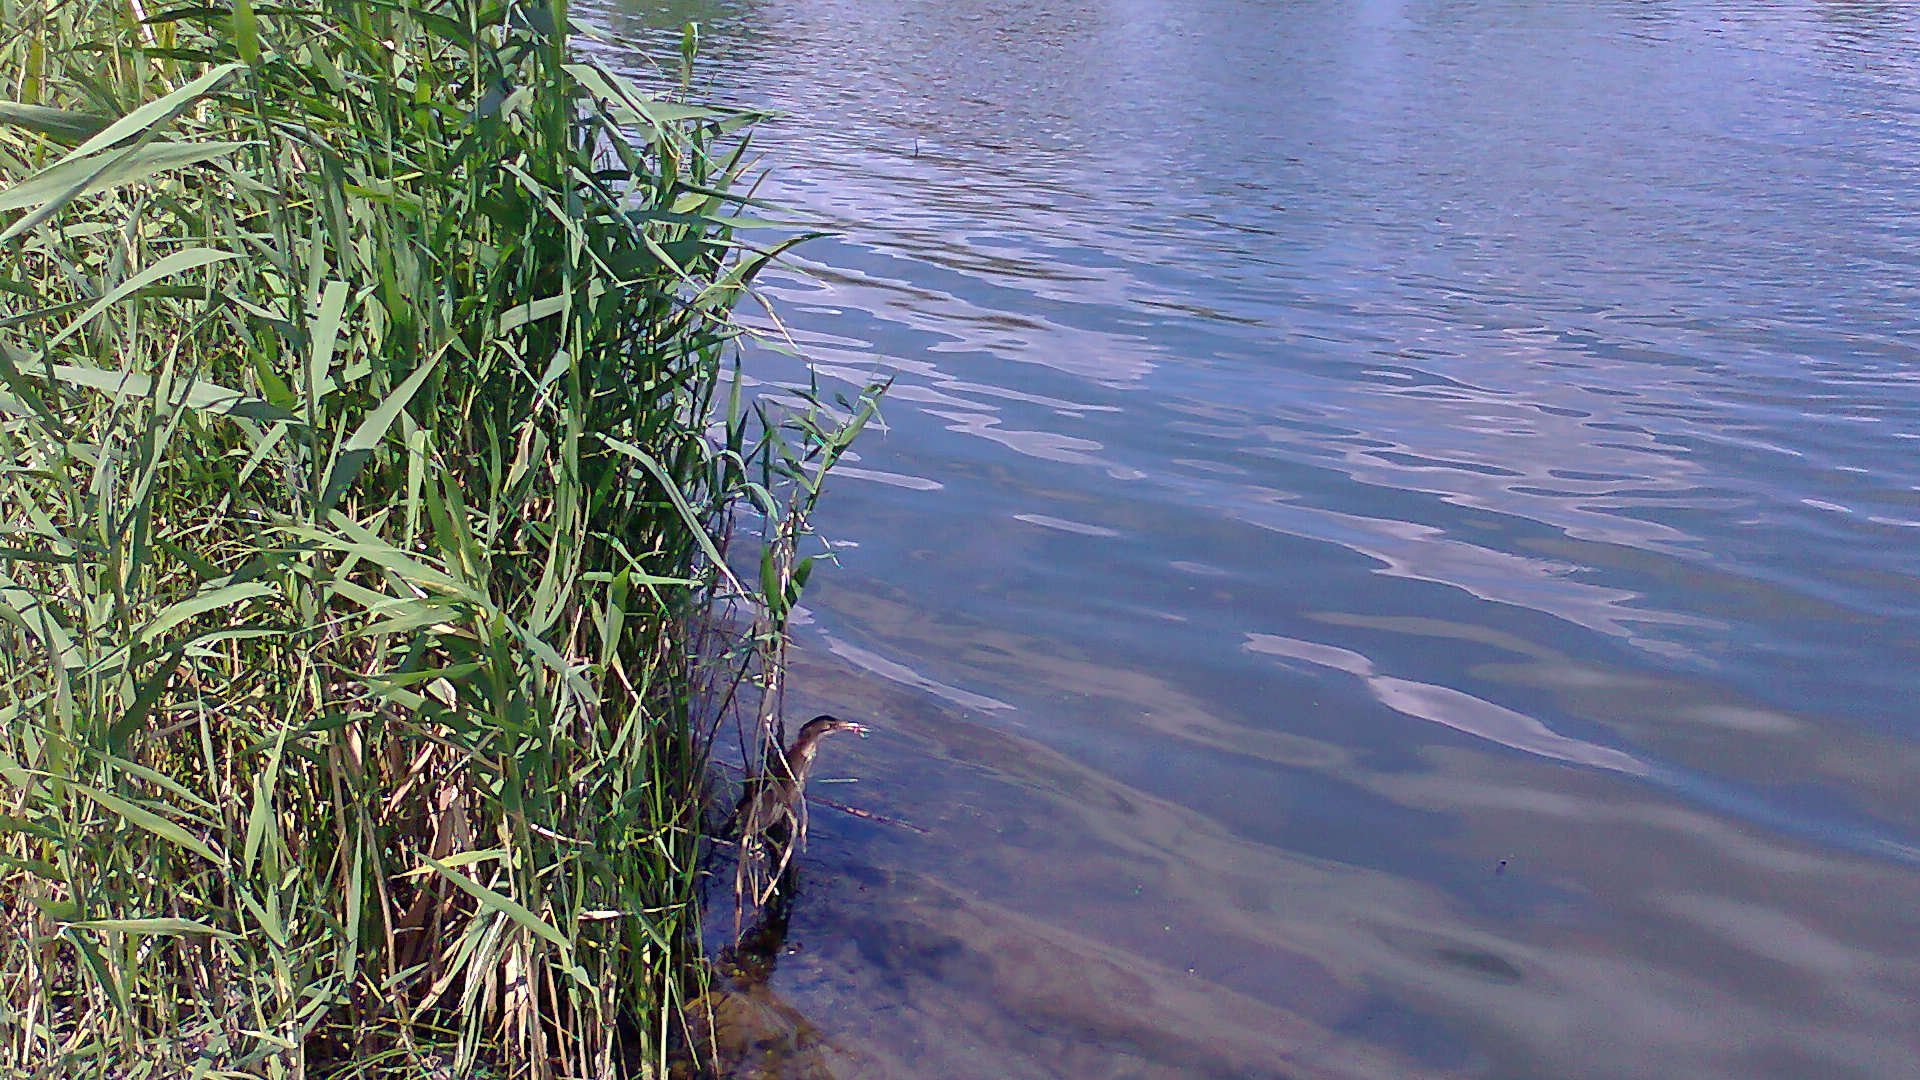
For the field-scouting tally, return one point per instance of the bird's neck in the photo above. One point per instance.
(795, 761)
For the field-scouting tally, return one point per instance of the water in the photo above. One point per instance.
(1395, 550)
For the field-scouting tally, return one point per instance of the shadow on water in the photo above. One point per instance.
(741, 1028)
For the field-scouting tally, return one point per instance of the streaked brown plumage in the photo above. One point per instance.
(772, 813)
(775, 797)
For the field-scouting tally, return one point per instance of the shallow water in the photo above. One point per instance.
(1395, 550)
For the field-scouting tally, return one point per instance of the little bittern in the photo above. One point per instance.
(773, 811)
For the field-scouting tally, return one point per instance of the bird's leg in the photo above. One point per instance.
(782, 876)
(778, 870)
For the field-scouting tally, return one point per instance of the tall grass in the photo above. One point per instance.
(365, 431)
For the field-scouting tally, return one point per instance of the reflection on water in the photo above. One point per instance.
(1396, 545)
(1462, 712)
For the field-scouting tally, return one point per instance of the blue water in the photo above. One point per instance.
(1395, 545)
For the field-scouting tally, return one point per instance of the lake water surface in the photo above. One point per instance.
(1395, 548)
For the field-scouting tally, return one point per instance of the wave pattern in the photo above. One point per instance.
(1398, 524)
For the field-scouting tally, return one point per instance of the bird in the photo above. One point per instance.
(772, 812)
(775, 799)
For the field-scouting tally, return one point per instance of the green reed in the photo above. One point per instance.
(366, 428)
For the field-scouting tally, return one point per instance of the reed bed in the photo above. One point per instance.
(368, 428)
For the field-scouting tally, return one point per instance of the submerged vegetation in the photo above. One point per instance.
(367, 431)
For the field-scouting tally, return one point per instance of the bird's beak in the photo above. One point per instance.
(858, 729)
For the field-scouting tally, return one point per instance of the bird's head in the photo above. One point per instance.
(823, 725)
(799, 754)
